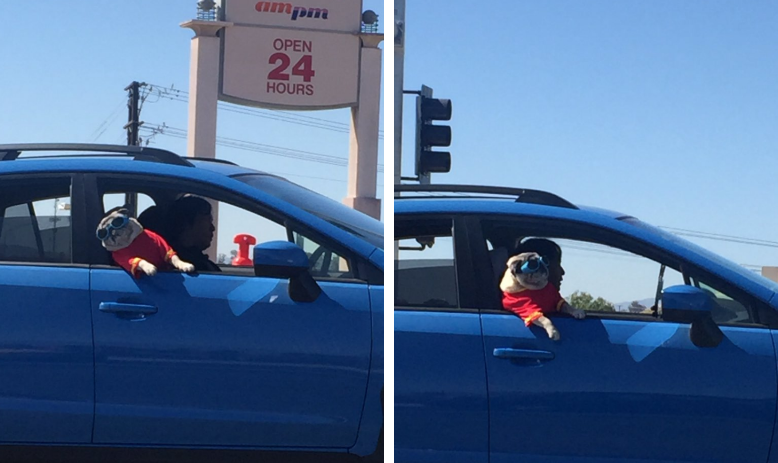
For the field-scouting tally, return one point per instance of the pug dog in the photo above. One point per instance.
(135, 249)
(528, 294)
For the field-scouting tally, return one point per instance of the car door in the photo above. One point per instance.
(440, 402)
(46, 363)
(627, 386)
(229, 358)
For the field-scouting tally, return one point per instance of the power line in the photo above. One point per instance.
(593, 247)
(283, 116)
(159, 131)
(720, 237)
(100, 130)
(162, 129)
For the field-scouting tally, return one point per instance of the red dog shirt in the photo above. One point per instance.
(531, 304)
(147, 246)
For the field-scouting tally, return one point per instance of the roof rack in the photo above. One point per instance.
(220, 161)
(523, 195)
(11, 152)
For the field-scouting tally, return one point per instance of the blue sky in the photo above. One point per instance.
(663, 109)
(66, 64)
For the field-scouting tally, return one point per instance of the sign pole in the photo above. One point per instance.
(203, 87)
(363, 149)
(203, 100)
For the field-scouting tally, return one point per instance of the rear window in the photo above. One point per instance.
(35, 221)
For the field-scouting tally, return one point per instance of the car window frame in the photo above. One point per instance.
(465, 286)
(79, 257)
(563, 228)
(364, 273)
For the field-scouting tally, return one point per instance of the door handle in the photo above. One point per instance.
(123, 308)
(527, 354)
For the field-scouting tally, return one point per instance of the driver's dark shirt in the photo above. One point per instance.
(197, 258)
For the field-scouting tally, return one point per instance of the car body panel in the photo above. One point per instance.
(229, 360)
(614, 389)
(377, 258)
(440, 399)
(372, 424)
(46, 363)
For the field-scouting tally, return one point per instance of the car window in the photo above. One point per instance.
(729, 265)
(35, 223)
(236, 225)
(425, 269)
(324, 262)
(343, 217)
(726, 309)
(604, 277)
(236, 232)
(631, 282)
(112, 200)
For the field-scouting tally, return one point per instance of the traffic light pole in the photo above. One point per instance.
(399, 56)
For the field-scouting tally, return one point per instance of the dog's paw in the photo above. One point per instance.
(147, 267)
(182, 266)
(185, 267)
(579, 314)
(553, 334)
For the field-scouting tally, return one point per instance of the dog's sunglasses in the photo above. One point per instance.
(533, 265)
(115, 224)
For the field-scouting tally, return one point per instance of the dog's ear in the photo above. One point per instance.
(511, 260)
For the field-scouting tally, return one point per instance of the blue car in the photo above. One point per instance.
(281, 358)
(674, 361)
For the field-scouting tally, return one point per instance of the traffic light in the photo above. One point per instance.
(428, 136)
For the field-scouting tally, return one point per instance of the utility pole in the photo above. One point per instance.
(133, 135)
(133, 124)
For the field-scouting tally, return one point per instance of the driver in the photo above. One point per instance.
(190, 230)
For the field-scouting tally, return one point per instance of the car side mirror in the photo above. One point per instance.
(689, 304)
(282, 259)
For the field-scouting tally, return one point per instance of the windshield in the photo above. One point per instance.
(754, 277)
(350, 220)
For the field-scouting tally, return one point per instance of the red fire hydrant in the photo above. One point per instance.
(244, 241)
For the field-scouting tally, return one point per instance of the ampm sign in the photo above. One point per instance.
(299, 54)
(293, 11)
(324, 15)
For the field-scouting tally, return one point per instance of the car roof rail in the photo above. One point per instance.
(220, 161)
(11, 152)
(522, 195)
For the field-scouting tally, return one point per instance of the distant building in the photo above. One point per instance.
(636, 307)
(770, 272)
